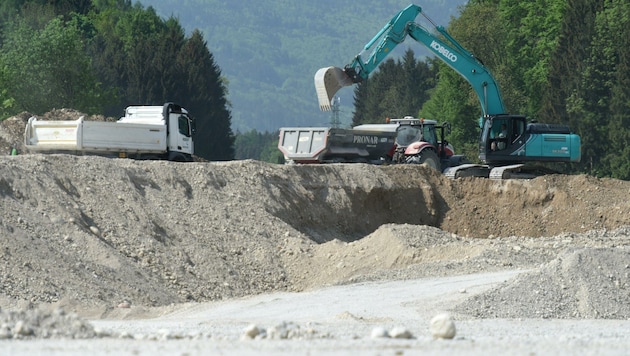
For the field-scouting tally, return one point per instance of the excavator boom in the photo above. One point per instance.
(330, 79)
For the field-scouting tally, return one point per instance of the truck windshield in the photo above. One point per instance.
(184, 126)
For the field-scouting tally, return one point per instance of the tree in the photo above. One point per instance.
(598, 102)
(397, 89)
(150, 60)
(611, 63)
(567, 61)
(204, 92)
(452, 101)
(50, 68)
(479, 30)
(532, 35)
(7, 103)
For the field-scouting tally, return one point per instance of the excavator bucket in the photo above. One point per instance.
(327, 82)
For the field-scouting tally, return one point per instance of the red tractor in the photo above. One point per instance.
(417, 143)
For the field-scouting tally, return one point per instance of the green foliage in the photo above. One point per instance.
(150, 60)
(204, 92)
(259, 146)
(7, 103)
(452, 101)
(602, 102)
(271, 153)
(397, 89)
(48, 67)
(532, 35)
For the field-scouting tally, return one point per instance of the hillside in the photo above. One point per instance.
(270, 52)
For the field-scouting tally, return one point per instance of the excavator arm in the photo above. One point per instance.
(330, 79)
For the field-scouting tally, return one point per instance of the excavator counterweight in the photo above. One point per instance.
(327, 82)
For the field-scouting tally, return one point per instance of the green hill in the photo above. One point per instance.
(269, 51)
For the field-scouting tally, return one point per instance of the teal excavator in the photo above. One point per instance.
(507, 143)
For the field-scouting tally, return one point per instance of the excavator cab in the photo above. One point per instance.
(501, 138)
(507, 139)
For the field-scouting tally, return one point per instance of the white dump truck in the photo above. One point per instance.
(145, 132)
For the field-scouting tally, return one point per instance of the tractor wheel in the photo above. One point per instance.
(427, 157)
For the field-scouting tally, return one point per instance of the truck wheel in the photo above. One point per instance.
(427, 157)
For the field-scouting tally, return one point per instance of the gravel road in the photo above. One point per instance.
(340, 320)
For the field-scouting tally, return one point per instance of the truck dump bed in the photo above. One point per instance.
(94, 136)
(329, 145)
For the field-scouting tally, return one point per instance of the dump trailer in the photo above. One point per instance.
(145, 132)
(336, 145)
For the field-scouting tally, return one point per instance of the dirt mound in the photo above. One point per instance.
(86, 233)
(544, 206)
(89, 233)
(42, 324)
(579, 283)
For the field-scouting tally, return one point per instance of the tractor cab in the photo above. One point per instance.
(417, 142)
(412, 130)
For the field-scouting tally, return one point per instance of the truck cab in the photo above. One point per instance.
(180, 127)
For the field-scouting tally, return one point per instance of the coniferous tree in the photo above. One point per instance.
(612, 26)
(567, 62)
(205, 92)
(397, 89)
(589, 103)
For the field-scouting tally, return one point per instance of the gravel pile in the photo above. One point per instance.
(42, 324)
(581, 283)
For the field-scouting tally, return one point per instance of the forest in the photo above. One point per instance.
(556, 61)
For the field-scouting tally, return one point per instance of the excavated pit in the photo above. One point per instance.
(326, 203)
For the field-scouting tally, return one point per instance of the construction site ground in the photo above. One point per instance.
(119, 256)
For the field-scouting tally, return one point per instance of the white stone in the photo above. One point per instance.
(95, 230)
(442, 327)
(379, 332)
(400, 333)
(251, 331)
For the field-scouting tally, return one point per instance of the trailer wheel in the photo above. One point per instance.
(428, 157)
